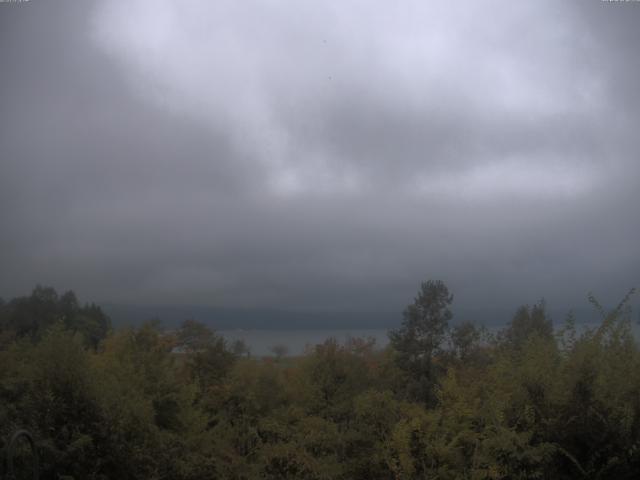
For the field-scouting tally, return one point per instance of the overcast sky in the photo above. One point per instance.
(320, 154)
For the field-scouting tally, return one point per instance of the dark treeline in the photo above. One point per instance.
(440, 402)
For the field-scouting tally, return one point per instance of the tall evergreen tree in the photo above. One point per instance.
(420, 338)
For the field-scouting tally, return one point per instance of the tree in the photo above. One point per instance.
(526, 322)
(420, 337)
(464, 339)
(91, 322)
(240, 348)
(31, 317)
(194, 335)
(208, 358)
(279, 351)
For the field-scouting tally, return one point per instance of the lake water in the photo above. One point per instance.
(260, 342)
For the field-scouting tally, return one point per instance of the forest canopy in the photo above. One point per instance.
(441, 401)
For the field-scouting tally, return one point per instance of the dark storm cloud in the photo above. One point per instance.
(303, 154)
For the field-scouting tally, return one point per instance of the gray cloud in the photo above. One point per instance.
(317, 155)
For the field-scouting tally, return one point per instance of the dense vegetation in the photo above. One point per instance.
(440, 402)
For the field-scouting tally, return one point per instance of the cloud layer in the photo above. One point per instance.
(320, 155)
